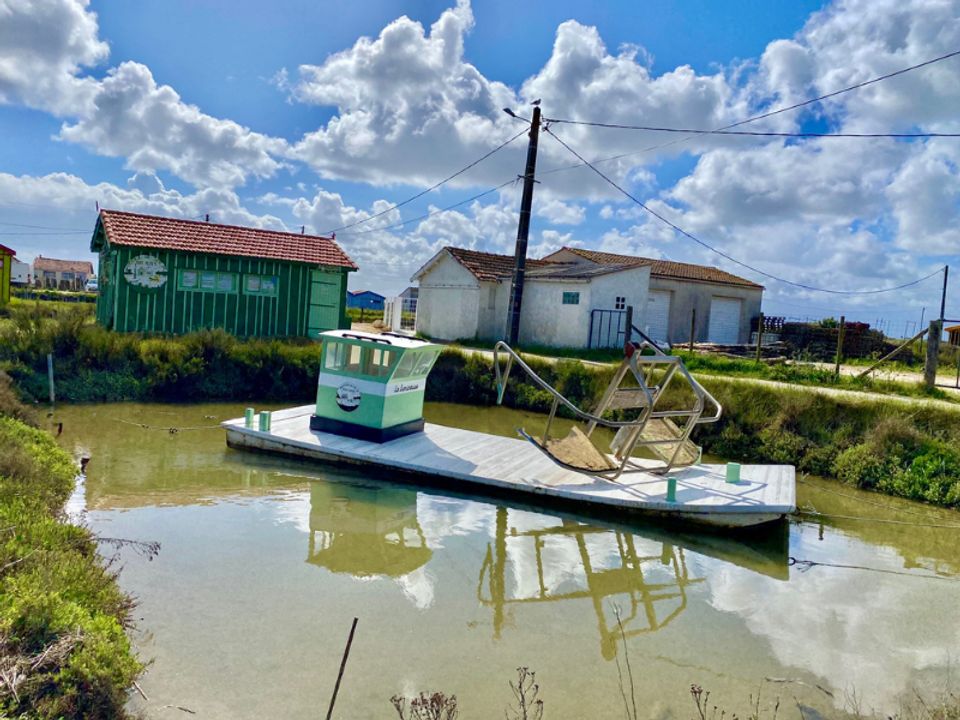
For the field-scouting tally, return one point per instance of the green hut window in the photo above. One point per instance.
(263, 285)
(207, 281)
(341, 356)
(378, 362)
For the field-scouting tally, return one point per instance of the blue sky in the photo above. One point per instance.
(282, 115)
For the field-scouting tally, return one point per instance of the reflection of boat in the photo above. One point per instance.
(650, 577)
(369, 414)
(365, 530)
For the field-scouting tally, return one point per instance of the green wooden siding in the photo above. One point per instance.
(286, 310)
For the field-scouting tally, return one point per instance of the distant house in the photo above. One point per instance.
(6, 267)
(725, 304)
(21, 273)
(465, 294)
(167, 275)
(366, 299)
(61, 274)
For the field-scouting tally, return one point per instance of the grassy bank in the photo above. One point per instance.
(64, 652)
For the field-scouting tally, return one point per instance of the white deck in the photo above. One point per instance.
(765, 492)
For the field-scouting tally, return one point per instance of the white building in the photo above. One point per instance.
(721, 306)
(464, 294)
(20, 273)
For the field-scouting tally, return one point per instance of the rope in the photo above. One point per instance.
(867, 501)
(171, 430)
(807, 564)
(814, 513)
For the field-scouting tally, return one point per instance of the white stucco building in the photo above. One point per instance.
(465, 294)
(578, 298)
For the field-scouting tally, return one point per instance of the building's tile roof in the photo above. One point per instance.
(953, 328)
(150, 231)
(5, 249)
(667, 268)
(488, 266)
(42, 264)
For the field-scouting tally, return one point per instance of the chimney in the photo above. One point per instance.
(303, 229)
(206, 218)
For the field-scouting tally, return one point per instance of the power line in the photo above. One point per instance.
(20, 233)
(762, 116)
(719, 252)
(755, 133)
(429, 189)
(432, 212)
(41, 227)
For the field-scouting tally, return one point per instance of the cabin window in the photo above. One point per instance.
(620, 303)
(262, 285)
(571, 298)
(424, 361)
(407, 364)
(208, 281)
(377, 362)
(341, 356)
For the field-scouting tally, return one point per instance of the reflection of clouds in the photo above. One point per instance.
(418, 587)
(859, 631)
(442, 517)
(292, 509)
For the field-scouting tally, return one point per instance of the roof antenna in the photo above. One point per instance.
(98, 206)
(206, 218)
(333, 236)
(303, 229)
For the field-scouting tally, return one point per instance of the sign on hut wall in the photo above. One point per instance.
(146, 271)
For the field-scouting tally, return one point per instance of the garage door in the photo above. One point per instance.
(658, 315)
(724, 321)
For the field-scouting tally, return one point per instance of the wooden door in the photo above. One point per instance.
(323, 310)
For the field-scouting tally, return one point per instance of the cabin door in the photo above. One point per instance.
(323, 311)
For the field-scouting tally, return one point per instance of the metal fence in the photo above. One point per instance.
(608, 328)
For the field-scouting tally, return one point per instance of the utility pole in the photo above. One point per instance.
(523, 229)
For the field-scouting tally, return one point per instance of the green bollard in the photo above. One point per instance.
(264, 421)
(248, 417)
(733, 472)
(671, 489)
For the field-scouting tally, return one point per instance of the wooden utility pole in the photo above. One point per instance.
(523, 229)
(760, 338)
(693, 327)
(841, 331)
(933, 338)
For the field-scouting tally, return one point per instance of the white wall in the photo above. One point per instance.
(545, 320)
(449, 303)
(632, 284)
(20, 272)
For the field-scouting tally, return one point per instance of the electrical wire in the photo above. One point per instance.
(753, 133)
(429, 189)
(719, 252)
(763, 116)
(41, 227)
(432, 212)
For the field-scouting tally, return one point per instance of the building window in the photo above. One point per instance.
(207, 281)
(263, 285)
(620, 303)
(571, 298)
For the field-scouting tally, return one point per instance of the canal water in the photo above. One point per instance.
(264, 562)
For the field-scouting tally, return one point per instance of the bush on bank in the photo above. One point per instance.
(64, 652)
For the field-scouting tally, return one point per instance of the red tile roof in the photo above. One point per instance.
(488, 266)
(42, 264)
(667, 268)
(136, 230)
(5, 249)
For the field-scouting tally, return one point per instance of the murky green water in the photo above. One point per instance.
(264, 563)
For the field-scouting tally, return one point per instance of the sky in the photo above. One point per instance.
(323, 115)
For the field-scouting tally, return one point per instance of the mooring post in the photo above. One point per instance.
(841, 331)
(933, 351)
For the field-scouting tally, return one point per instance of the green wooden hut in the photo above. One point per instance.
(173, 276)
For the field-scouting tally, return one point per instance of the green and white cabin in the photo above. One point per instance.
(372, 387)
(166, 275)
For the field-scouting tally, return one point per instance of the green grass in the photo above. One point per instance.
(62, 614)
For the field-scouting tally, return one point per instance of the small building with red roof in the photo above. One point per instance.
(167, 275)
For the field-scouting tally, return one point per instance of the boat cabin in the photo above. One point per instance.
(372, 386)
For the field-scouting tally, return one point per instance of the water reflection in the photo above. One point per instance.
(572, 561)
(365, 531)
